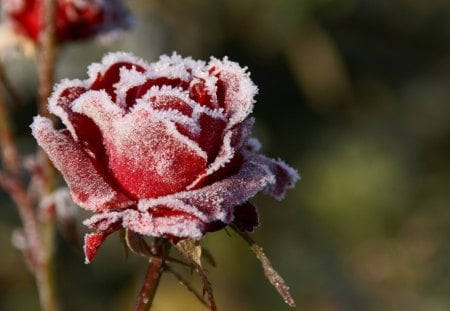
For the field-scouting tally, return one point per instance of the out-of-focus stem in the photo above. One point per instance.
(46, 64)
(153, 275)
(8, 149)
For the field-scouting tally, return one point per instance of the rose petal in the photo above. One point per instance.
(88, 188)
(235, 89)
(246, 217)
(93, 241)
(176, 225)
(147, 155)
(218, 199)
(228, 159)
(285, 176)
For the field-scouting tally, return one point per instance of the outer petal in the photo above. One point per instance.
(285, 176)
(88, 188)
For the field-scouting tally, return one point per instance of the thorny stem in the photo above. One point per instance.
(160, 248)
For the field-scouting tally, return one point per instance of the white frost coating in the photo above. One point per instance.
(224, 156)
(103, 221)
(126, 127)
(285, 176)
(88, 188)
(173, 204)
(98, 106)
(240, 89)
(61, 200)
(129, 78)
(219, 198)
(183, 95)
(209, 83)
(174, 67)
(57, 109)
(171, 115)
(253, 145)
(110, 59)
(146, 224)
(205, 205)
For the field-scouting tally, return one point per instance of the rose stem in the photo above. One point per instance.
(46, 61)
(160, 248)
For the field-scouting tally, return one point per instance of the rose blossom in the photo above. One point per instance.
(75, 19)
(162, 149)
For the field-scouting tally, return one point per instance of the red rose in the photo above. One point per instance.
(75, 19)
(162, 149)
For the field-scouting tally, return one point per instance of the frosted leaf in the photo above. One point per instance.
(88, 188)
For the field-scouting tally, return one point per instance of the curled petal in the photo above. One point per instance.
(235, 89)
(285, 176)
(88, 188)
(218, 199)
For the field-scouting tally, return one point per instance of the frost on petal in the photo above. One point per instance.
(228, 158)
(147, 155)
(235, 89)
(285, 176)
(92, 243)
(175, 67)
(88, 188)
(104, 75)
(175, 225)
(218, 199)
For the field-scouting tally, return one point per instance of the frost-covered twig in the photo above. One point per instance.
(274, 278)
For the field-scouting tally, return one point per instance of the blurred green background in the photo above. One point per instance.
(355, 94)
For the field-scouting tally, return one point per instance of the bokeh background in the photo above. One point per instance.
(355, 94)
